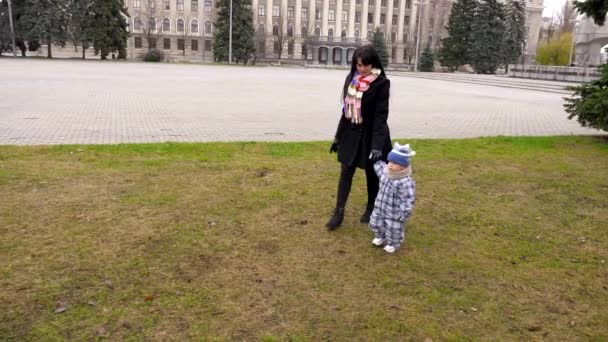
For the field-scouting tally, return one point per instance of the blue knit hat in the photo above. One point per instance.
(401, 154)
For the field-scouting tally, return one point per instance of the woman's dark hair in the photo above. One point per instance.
(368, 56)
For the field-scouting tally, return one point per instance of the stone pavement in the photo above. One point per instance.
(95, 102)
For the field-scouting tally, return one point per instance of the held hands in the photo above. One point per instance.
(375, 156)
(334, 146)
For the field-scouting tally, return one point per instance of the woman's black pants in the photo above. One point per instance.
(346, 181)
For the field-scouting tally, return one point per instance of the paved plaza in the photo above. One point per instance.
(96, 102)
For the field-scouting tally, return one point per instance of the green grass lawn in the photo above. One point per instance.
(226, 241)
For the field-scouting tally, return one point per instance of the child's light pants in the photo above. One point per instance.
(390, 230)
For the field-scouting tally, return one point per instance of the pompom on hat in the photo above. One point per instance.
(401, 154)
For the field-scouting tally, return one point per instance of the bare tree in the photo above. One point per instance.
(282, 35)
(565, 18)
(184, 33)
(150, 22)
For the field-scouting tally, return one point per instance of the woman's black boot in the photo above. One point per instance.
(336, 219)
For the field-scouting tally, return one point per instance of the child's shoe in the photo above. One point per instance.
(389, 249)
(378, 242)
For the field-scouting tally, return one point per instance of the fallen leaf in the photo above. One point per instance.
(534, 328)
(108, 284)
(148, 297)
(60, 309)
(101, 330)
(92, 303)
(303, 222)
(211, 223)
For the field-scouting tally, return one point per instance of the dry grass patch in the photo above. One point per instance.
(226, 242)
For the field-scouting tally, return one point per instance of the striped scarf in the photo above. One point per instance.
(354, 93)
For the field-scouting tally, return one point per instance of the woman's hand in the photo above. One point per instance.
(334, 146)
(375, 156)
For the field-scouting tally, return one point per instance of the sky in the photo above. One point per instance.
(552, 6)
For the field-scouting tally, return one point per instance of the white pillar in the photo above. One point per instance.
(269, 36)
(413, 21)
(254, 4)
(400, 32)
(364, 11)
(338, 26)
(377, 10)
(312, 11)
(351, 19)
(389, 21)
(285, 25)
(325, 18)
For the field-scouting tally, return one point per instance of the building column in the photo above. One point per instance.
(400, 32)
(377, 10)
(344, 57)
(364, 12)
(254, 4)
(269, 36)
(351, 19)
(285, 25)
(315, 55)
(413, 21)
(297, 44)
(312, 9)
(325, 18)
(338, 25)
(389, 23)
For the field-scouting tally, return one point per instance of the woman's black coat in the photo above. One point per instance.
(356, 141)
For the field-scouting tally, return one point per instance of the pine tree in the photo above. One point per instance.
(380, 46)
(596, 9)
(47, 21)
(516, 31)
(455, 48)
(243, 33)
(488, 37)
(79, 10)
(107, 27)
(427, 60)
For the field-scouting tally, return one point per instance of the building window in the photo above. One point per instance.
(180, 44)
(152, 24)
(408, 3)
(317, 32)
(207, 27)
(152, 43)
(194, 6)
(136, 3)
(330, 32)
(304, 32)
(358, 2)
(357, 34)
(276, 47)
(317, 14)
(289, 12)
(405, 38)
(208, 45)
(275, 11)
(180, 25)
(166, 5)
(406, 21)
(137, 24)
(358, 17)
(180, 5)
(382, 18)
(344, 16)
(152, 4)
(261, 30)
(261, 10)
(529, 16)
(194, 26)
(290, 31)
(275, 30)
(393, 37)
(395, 19)
(343, 34)
(383, 3)
(138, 42)
(304, 13)
(207, 6)
(370, 18)
(166, 25)
(167, 43)
(290, 48)
(332, 15)
(372, 2)
(194, 45)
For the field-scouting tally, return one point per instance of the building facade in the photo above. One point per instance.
(302, 31)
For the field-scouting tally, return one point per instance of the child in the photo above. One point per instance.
(395, 200)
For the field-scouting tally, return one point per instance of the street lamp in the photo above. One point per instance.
(419, 4)
(10, 19)
(572, 41)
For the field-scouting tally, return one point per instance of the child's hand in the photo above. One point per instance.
(375, 156)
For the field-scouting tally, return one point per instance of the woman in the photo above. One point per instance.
(362, 137)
